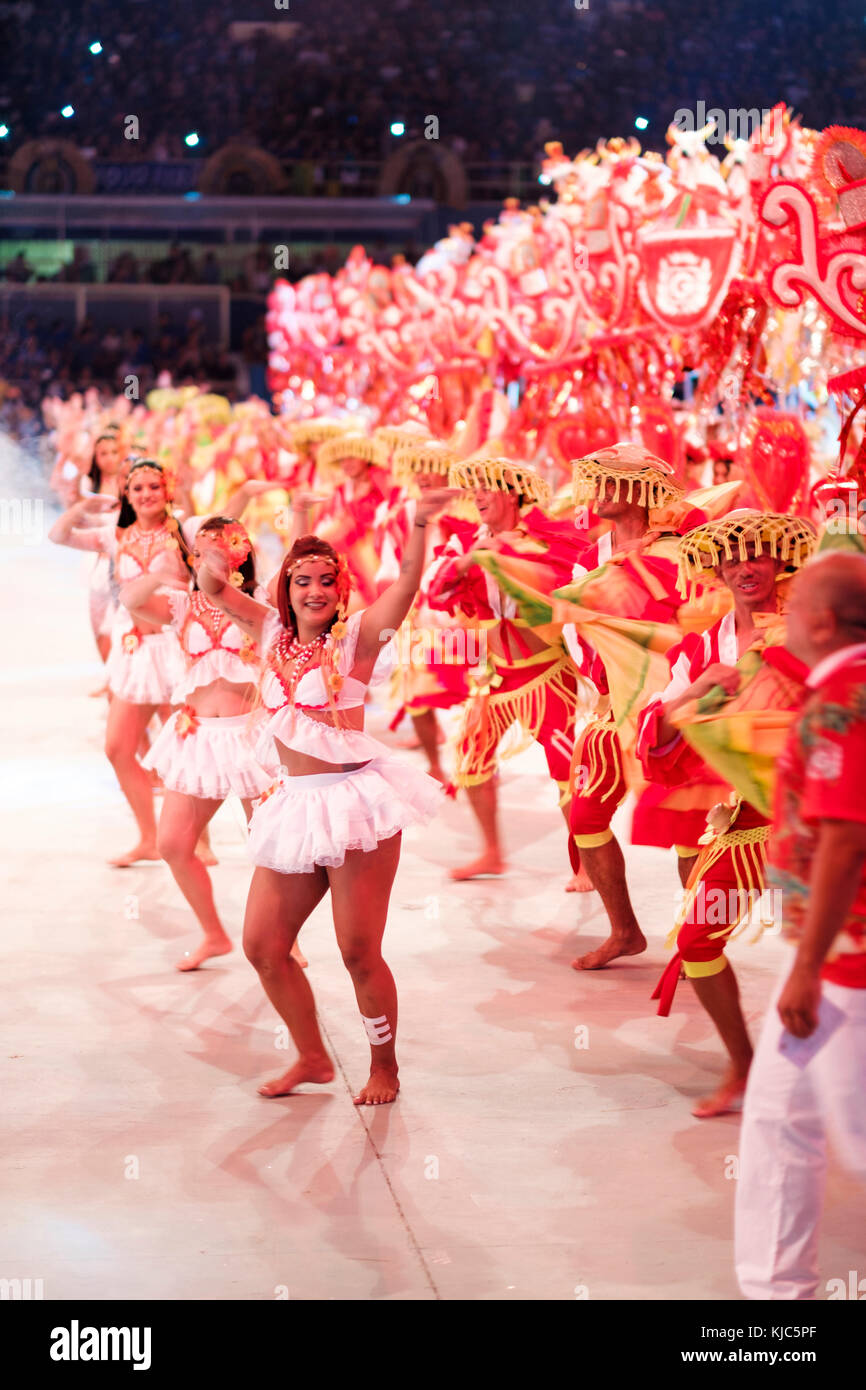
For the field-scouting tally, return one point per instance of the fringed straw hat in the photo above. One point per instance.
(422, 456)
(791, 539)
(306, 434)
(346, 446)
(389, 438)
(500, 475)
(644, 479)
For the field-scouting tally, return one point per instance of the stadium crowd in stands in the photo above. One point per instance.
(38, 359)
(501, 79)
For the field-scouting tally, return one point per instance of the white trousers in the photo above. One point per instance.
(789, 1114)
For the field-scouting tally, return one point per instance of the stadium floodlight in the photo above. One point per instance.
(398, 128)
(641, 122)
(191, 139)
(68, 111)
(96, 48)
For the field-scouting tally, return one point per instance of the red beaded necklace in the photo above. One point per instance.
(289, 649)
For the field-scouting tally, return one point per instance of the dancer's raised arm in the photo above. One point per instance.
(214, 580)
(71, 528)
(146, 598)
(387, 612)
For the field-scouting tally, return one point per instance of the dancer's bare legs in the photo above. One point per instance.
(277, 907)
(124, 731)
(720, 996)
(103, 644)
(606, 868)
(360, 892)
(484, 802)
(181, 823)
(427, 729)
(581, 881)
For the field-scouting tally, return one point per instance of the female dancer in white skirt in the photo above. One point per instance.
(204, 751)
(106, 478)
(335, 817)
(146, 661)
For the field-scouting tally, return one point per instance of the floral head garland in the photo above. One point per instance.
(344, 586)
(235, 545)
(165, 474)
(332, 678)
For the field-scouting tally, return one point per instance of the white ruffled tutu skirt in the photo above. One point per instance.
(144, 669)
(308, 821)
(213, 758)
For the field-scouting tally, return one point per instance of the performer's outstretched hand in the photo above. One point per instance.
(432, 502)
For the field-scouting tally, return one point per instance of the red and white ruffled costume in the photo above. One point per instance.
(142, 668)
(314, 820)
(211, 756)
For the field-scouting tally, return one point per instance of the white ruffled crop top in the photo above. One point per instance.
(214, 646)
(302, 732)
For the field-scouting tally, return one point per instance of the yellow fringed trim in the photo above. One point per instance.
(749, 859)
(596, 768)
(421, 456)
(389, 438)
(654, 488)
(791, 539)
(306, 433)
(346, 446)
(500, 475)
(505, 708)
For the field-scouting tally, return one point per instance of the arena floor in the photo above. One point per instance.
(541, 1148)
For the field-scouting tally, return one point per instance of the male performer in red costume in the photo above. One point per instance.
(636, 574)
(525, 681)
(748, 553)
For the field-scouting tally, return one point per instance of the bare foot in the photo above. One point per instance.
(204, 852)
(298, 955)
(381, 1088)
(727, 1099)
(211, 946)
(315, 1069)
(103, 690)
(630, 944)
(141, 851)
(487, 865)
(580, 882)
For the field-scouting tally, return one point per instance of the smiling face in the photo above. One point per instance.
(751, 581)
(147, 496)
(498, 510)
(313, 593)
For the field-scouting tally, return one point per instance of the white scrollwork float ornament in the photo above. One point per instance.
(837, 279)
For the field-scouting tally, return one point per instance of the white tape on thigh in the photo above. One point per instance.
(378, 1029)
